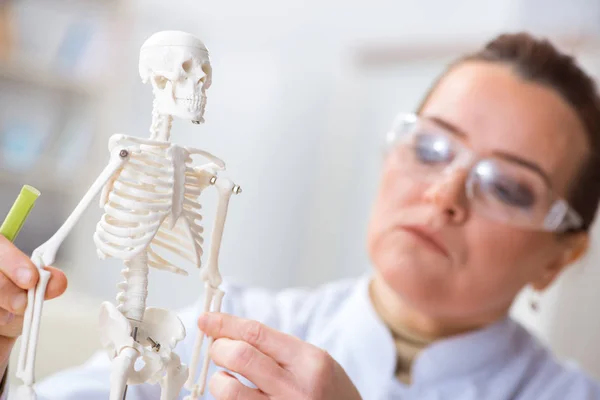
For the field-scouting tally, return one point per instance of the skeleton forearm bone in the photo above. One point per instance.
(45, 255)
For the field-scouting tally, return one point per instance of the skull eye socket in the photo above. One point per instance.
(187, 66)
(206, 70)
(160, 81)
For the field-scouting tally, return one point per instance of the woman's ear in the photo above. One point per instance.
(573, 247)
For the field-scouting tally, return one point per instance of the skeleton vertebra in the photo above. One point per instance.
(150, 194)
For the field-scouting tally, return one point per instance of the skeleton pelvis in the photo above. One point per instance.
(155, 338)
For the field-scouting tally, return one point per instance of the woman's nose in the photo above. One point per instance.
(448, 193)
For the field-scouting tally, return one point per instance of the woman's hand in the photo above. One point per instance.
(17, 274)
(281, 366)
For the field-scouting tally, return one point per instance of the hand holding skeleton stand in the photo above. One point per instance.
(149, 192)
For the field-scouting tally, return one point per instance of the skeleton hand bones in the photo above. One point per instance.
(17, 275)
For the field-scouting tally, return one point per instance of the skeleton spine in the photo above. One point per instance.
(134, 290)
(161, 125)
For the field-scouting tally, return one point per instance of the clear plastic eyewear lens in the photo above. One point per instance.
(503, 193)
(514, 195)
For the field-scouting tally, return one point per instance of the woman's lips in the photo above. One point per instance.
(429, 238)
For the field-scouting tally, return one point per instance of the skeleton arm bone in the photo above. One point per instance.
(45, 255)
(212, 278)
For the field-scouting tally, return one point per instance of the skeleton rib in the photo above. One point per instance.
(120, 214)
(136, 176)
(138, 204)
(110, 249)
(128, 190)
(197, 230)
(148, 162)
(192, 180)
(122, 231)
(175, 240)
(192, 193)
(188, 256)
(149, 169)
(153, 158)
(167, 267)
(127, 242)
(193, 216)
(157, 261)
(187, 203)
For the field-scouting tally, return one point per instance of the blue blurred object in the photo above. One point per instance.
(74, 145)
(77, 37)
(22, 143)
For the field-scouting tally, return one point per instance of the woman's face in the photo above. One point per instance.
(481, 264)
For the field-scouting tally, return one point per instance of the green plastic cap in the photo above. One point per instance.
(19, 212)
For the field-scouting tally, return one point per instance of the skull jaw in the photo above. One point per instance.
(180, 108)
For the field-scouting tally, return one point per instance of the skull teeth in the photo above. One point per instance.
(191, 103)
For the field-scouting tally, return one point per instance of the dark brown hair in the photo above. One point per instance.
(538, 60)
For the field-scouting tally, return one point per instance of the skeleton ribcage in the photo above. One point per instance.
(139, 215)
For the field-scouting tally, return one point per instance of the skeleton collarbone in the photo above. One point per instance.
(151, 204)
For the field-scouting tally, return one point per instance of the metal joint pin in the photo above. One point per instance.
(155, 345)
(213, 180)
(123, 153)
(237, 189)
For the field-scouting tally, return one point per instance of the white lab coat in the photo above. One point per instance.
(501, 362)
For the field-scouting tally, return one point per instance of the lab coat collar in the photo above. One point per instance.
(361, 343)
(466, 354)
(364, 347)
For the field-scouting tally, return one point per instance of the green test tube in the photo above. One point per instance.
(19, 212)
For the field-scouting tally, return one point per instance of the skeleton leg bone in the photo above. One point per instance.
(122, 366)
(172, 382)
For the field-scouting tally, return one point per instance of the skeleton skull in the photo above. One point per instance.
(178, 67)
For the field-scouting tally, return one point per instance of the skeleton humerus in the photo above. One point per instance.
(150, 193)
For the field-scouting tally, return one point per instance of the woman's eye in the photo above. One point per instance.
(513, 194)
(432, 149)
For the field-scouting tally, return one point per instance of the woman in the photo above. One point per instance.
(490, 187)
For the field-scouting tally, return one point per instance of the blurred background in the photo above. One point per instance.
(303, 92)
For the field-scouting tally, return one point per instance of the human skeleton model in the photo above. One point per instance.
(149, 192)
